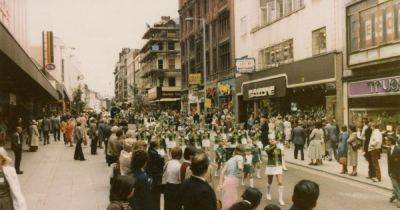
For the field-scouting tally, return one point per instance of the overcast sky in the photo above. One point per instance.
(98, 29)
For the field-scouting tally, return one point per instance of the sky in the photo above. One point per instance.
(97, 29)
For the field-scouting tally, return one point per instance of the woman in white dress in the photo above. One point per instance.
(315, 149)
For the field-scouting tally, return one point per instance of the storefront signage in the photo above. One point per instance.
(170, 94)
(152, 94)
(224, 89)
(270, 88)
(195, 79)
(376, 87)
(259, 92)
(245, 65)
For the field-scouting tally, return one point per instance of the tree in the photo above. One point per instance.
(77, 105)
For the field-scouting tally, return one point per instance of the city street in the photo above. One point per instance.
(53, 180)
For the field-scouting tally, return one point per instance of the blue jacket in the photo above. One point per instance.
(141, 199)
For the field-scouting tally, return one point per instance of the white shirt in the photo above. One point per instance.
(172, 172)
(376, 140)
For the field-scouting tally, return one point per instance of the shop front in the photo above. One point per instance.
(211, 102)
(305, 87)
(377, 99)
(226, 93)
(166, 97)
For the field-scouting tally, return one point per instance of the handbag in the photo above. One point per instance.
(343, 160)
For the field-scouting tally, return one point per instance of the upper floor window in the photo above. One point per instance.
(171, 82)
(160, 64)
(277, 54)
(224, 24)
(272, 10)
(171, 63)
(371, 24)
(319, 41)
(171, 46)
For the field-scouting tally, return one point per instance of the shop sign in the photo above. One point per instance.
(269, 88)
(259, 92)
(13, 99)
(376, 87)
(152, 94)
(245, 65)
(224, 89)
(170, 94)
(208, 103)
(195, 79)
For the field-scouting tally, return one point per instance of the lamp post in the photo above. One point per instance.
(203, 22)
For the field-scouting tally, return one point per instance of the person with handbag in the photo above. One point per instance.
(343, 148)
(172, 180)
(352, 152)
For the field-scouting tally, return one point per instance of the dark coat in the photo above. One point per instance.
(16, 142)
(264, 133)
(368, 133)
(394, 163)
(197, 194)
(155, 166)
(141, 199)
(299, 135)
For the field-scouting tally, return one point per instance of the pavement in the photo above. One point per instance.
(53, 180)
(334, 168)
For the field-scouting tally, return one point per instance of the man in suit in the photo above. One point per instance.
(365, 135)
(16, 146)
(55, 125)
(299, 139)
(46, 130)
(394, 167)
(195, 192)
(332, 134)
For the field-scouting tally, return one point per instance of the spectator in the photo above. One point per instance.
(78, 137)
(126, 156)
(365, 136)
(188, 154)
(195, 192)
(352, 152)
(121, 191)
(172, 180)
(46, 130)
(16, 146)
(34, 135)
(394, 168)
(315, 150)
(113, 147)
(305, 195)
(374, 148)
(251, 199)
(154, 169)
(343, 147)
(10, 186)
(299, 139)
(141, 199)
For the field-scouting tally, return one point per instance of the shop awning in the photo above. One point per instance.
(165, 100)
(17, 66)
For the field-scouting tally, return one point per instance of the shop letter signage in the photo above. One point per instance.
(259, 92)
(383, 86)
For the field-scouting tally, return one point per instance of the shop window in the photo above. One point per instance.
(171, 82)
(271, 10)
(160, 64)
(171, 46)
(171, 63)
(319, 41)
(224, 24)
(160, 46)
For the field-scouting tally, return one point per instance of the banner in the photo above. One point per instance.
(245, 65)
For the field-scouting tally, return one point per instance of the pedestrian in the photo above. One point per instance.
(365, 135)
(315, 149)
(10, 190)
(126, 155)
(220, 154)
(121, 191)
(352, 151)
(69, 131)
(141, 199)
(101, 133)
(331, 138)
(3, 131)
(275, 168)
(34, 135)
(251, 199)
(287, 130)
(78, 138)
(195, 193)
(46, 126)
(305, 195)
(343, 148)
(374, 148)
(93, 136)
(113, 147)
(171, 180)
(264, 132)
(229, 181)
(299, 139)
(55, 125)
(248, 167)
(16, 146)
(188, 154)
(394, 167)
(154, 168)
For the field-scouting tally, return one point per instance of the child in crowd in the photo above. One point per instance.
(248, 168)
(220, 155)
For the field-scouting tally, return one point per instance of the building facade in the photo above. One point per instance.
(160, 61)
(219, 60)
(121, 76)
(298, 64)
(372, 73)
(131, 66)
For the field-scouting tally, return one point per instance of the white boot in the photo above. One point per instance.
(242, 181)
(280, 191)
(216, 173)
(269, 192)
(258, 173)
(251, 182)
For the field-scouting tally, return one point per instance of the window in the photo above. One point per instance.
(171, 46)
(224, 56)
(160, 64)
(319, 41)
(205, 6)
(171, 82)
(277, 54)
(224, 24)
(171, 63)
(271, 10)
(160, 46)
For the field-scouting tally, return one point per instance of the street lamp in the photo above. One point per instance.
(203, 22)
